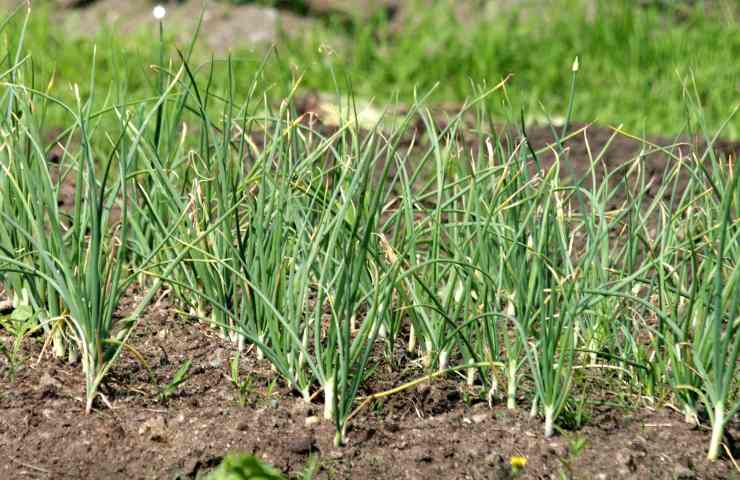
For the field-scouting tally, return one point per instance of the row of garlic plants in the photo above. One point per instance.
(326, 249)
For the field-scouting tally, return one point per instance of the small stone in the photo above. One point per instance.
(639, 451)
(336, 454)
(627, 460)
(47, 381)
(502, 470)
(198, 462)
(312, 420)
(556, 450)
(6, 307)
(303, 409)
(216, 359)
(638, 445)
(423, 389)
(472, 452)
(392, 427)
(682, 472)
(48, 387)
(154, 429)
(453, 396)
(479, 418)
(493, 459)
(191, 467)
(302, 445)
(363, 435)
(424, 457)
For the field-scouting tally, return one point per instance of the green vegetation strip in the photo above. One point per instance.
(636, 59)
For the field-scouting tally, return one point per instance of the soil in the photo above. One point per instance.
(589, 142)
(432, 431)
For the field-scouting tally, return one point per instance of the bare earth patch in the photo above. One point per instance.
(428, 432)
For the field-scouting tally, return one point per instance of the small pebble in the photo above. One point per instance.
(480, 407)
(302, 445)
(154, 429)
(557, 450)
(392, 427)
(302, 408)
(312, 420)
(49, 384)
(479, 417)
(336, 454)
(216, 359)
(682, 472)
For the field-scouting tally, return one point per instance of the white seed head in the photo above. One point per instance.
(159, 12)
(575, 65)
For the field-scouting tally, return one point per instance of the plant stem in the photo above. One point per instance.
(690, 415)
(260, 353)
(492, 391)
(549, 421)
(718, 428)
(412, 339)
(443, 360)
(511, 387)
(426, 360)
(470, 380)
(329, 398)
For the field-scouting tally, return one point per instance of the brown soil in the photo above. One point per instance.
(620, 148)
(429, 432)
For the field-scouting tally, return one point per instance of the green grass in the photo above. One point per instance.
(634, 60)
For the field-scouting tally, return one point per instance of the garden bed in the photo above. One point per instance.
(437, 429)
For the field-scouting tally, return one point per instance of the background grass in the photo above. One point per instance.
(635, 59)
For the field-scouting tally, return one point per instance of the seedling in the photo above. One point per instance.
(179, 378)
(243, 385)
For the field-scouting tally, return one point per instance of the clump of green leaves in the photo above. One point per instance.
(239, 466)
(19, 324)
